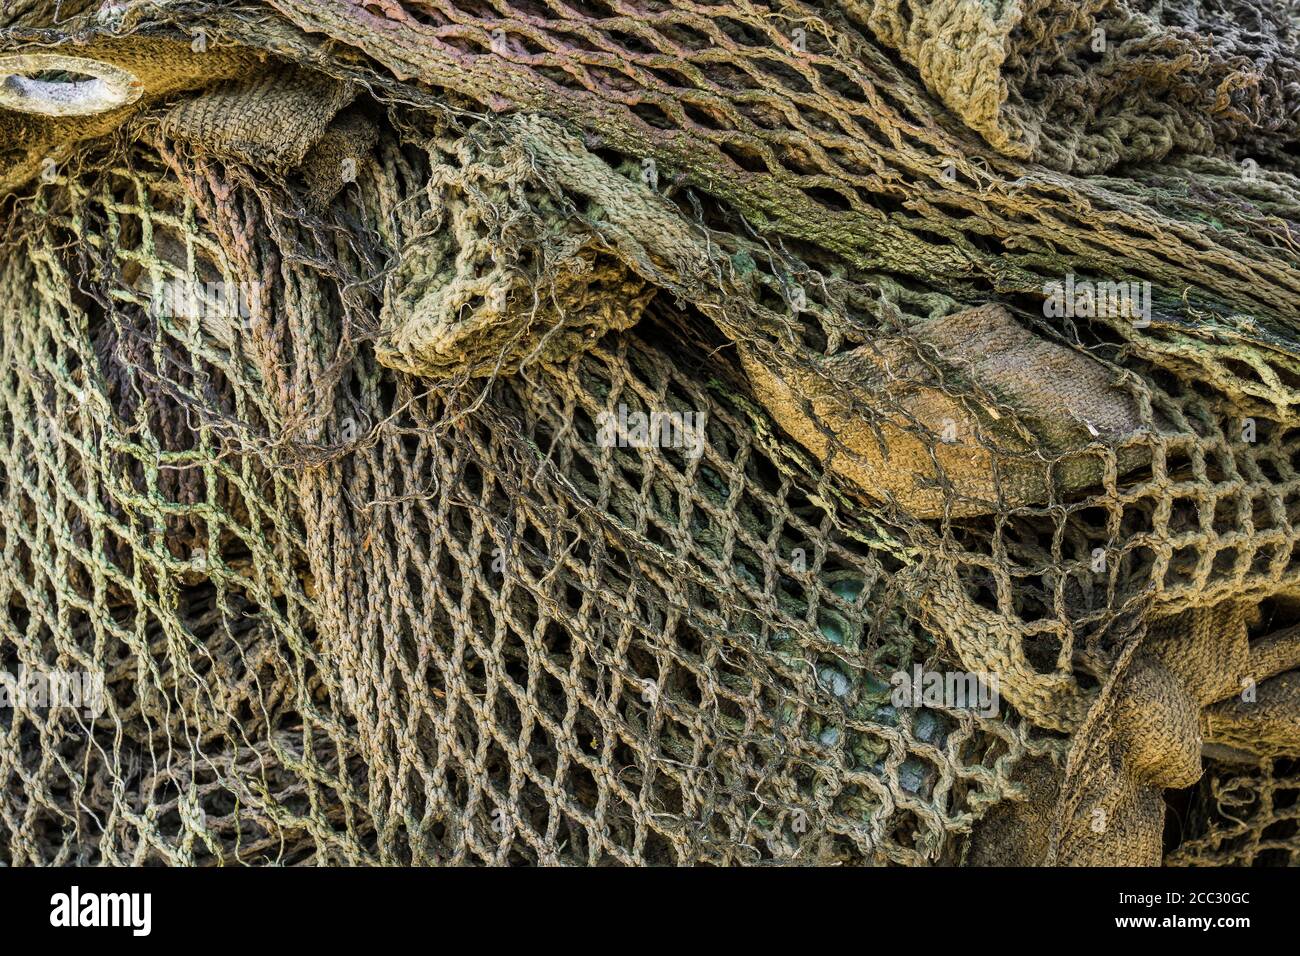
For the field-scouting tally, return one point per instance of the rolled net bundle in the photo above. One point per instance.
(546, 435)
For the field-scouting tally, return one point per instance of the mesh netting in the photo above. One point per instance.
(1085, 86)
(307, 379)
(639, 678)
(1243, 817)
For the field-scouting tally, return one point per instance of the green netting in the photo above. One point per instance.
(309, 361)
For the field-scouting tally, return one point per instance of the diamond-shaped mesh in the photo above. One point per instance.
(477, 637)
(364, 580)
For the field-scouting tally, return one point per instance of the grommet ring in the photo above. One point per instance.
(107, 87)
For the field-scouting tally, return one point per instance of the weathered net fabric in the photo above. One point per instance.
(266, 706)
(1243, 817)
(367, 587)
(1084, 86)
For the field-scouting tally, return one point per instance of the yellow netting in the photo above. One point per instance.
(308, 368)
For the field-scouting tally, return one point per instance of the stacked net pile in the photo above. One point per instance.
(468, 633)
(308, 379)
(1084, 86)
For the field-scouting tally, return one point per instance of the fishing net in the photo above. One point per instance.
(1085, 86)
(544, 432)
(1243, 817)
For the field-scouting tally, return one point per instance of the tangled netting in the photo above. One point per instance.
(309, 354)
(1243, 817)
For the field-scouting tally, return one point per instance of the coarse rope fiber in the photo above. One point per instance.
(308, 356)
